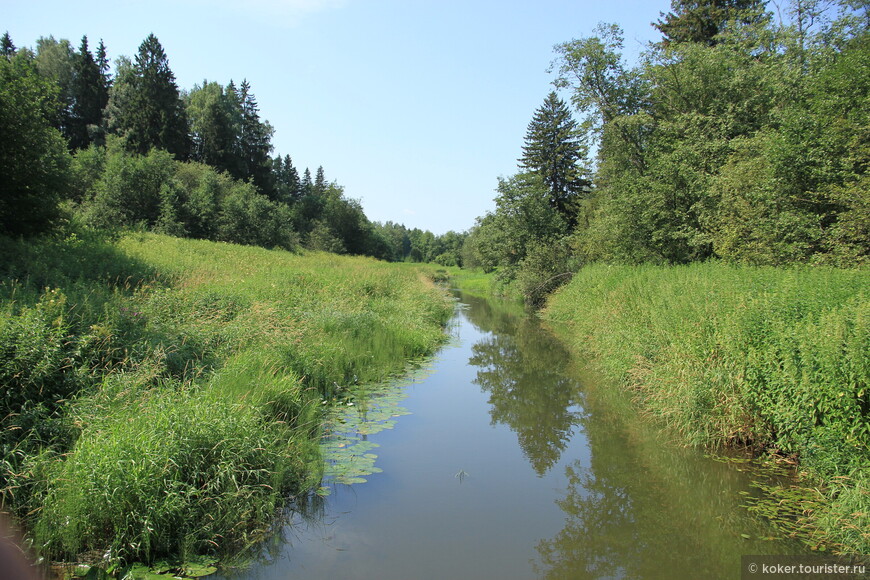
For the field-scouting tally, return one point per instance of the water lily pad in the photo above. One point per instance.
(345, 446)
(143, 572)
(199, 567)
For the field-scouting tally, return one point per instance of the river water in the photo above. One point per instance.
(514, 463)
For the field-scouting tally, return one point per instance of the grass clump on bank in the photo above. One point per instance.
(163, 396)
(774, 358)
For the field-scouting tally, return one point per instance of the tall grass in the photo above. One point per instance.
(774, 358)
(174, 393)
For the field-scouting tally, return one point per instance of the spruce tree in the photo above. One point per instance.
(554, 150)
(702, 20)
(105, 78)
(287, 179)
(256, 142)
(88, 100)
(7, 48)
(306, 187)
(320, 181)
(151, 113)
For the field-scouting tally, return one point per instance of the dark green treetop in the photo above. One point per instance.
(90, 95)
(7, 48)
(555, 150)
(148, 110)
(702, 20)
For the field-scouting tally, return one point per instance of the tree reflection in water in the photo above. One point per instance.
(523, 370)
(640, 507)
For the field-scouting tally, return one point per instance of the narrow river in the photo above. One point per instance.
(510, 464)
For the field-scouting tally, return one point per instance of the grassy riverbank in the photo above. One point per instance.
(778, 359)
(162, 396)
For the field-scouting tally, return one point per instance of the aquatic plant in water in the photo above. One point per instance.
(368, 410)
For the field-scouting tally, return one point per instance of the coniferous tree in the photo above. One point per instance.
(286, 179)
(88, 99)
(256, 142)
(7, 48)
(554, 150)
(306, 186)
(702, 20)
(320, 181)
(149, 112)
(105, 77)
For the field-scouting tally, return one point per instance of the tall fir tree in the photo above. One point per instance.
(554, 150)
(320, 181)
(88, 99)
(256, 142)
(286, 179)
(306, 186)
(149, 112)
(7, 47)
(702, 20)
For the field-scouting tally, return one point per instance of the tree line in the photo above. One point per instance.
(742, 135)
(128, 148)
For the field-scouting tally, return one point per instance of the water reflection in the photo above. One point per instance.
(524, 372)
(514, 464)
(641, 507)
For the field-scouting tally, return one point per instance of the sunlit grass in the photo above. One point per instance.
(774, 358)
(181, 401)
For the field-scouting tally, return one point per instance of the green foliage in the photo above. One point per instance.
(523, 216)
(215, 121)
(731, 139)
(90, 94)
(554, 150)
(777, 359)
(703, 21)
(129, 191)
(167, 398)
(146, 108)
(33, 158)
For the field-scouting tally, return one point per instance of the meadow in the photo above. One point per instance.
(776, 359)
(163, 397)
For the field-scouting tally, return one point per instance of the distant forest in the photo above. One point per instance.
(123, 147)
(742, 135)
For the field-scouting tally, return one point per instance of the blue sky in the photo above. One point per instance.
(415, 107)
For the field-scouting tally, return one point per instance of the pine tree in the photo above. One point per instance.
(702, 20)
(7, 48)
(320, 181)
(554, 150)
(88, 101)
(150, 113)
(256, 142)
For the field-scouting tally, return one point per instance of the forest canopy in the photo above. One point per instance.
(743, 135)
(125, 147)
